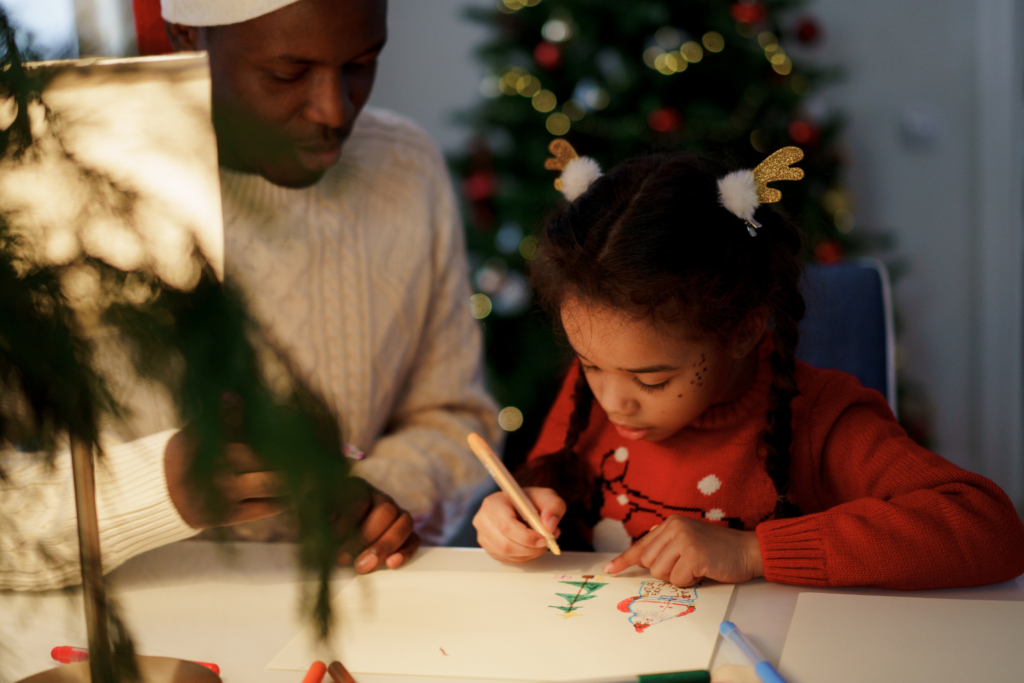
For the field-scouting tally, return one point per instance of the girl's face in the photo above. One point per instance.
(652, 380)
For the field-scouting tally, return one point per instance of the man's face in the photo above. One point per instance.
(287, 86)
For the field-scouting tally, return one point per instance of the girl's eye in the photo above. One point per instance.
(588, 368)
(650, 388)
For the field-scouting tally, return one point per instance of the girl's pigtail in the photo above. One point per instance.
(777, 437)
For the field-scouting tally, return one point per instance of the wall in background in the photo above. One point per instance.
(427, 71)
(51, 23)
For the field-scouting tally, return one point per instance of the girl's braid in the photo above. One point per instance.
(777, 437)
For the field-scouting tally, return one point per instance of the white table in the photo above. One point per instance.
(197, 601)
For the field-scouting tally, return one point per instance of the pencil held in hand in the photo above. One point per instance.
(519, 498)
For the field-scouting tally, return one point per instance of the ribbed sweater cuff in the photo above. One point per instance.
(135, 510)
(793, 552)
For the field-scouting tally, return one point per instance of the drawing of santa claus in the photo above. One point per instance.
(658, 601)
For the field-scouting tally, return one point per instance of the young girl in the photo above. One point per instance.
(689, 439)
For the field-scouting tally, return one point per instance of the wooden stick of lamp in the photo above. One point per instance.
(101, 659)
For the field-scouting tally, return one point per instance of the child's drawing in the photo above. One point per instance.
(658, 601)
(585, 591)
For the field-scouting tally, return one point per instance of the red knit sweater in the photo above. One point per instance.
(878, 510)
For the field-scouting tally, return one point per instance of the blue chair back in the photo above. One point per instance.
(849, 323)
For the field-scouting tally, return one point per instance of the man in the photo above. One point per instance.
(342, 232)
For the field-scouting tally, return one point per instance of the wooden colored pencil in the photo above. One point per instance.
(519, 498)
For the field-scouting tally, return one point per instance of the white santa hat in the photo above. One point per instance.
(217, 12)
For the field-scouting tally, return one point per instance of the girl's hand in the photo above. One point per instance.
(684, 551)
(505, 537)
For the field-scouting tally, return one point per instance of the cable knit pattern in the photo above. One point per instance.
(362, 280)
(879, 510)
(38, 530)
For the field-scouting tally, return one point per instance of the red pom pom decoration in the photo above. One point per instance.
(547, 55)
(664, 120)
(748, 12)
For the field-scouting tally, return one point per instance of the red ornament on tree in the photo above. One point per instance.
(748, 12)
(547, 55)
(804, 132)
(479, 186)
(828, 252)
(664, 120)
(808, 31)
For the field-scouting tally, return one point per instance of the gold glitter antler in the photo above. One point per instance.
(776, 167)
(564, 153)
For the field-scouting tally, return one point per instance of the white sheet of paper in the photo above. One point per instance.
(853, 639)
(530, 626)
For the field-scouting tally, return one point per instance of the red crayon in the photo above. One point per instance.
(316, 673)
(65, 654)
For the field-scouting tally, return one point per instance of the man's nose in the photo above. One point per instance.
(329, 102)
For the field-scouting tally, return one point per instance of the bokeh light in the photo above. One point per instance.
(759, 141)
(556, 30)
(480, 306)
(544, 101)
(692, 51)
(528, 247)
(667, 37)
(574, 110)
(783, 68)
(528, 86)
(558, 123)
(508, 237)
(844, 220)
(651, 54)
(489, 87)
(510, 419)
(713, 41)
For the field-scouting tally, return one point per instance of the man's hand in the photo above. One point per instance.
(385, 537)
(248, 491)
(683, 551)
(505, 537)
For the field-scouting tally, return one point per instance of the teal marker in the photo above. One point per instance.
(676, 677)
(764, 670)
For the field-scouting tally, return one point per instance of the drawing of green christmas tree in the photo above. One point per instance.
(586, 589)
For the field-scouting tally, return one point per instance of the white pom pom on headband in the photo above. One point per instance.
(578, 173)
(741, 192)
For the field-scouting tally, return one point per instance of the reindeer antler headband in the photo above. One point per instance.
(741, 192)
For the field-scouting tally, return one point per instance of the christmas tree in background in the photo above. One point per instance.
(619, 79)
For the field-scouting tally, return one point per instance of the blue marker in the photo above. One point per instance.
(764, 670)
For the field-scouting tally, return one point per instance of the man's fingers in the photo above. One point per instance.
(409, 549)
(386, 544)
(254, 509)
(255, 485)
(242, 459)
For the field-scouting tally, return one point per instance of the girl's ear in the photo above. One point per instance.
(750, 332)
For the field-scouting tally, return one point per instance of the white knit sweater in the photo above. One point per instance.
(362, 279)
